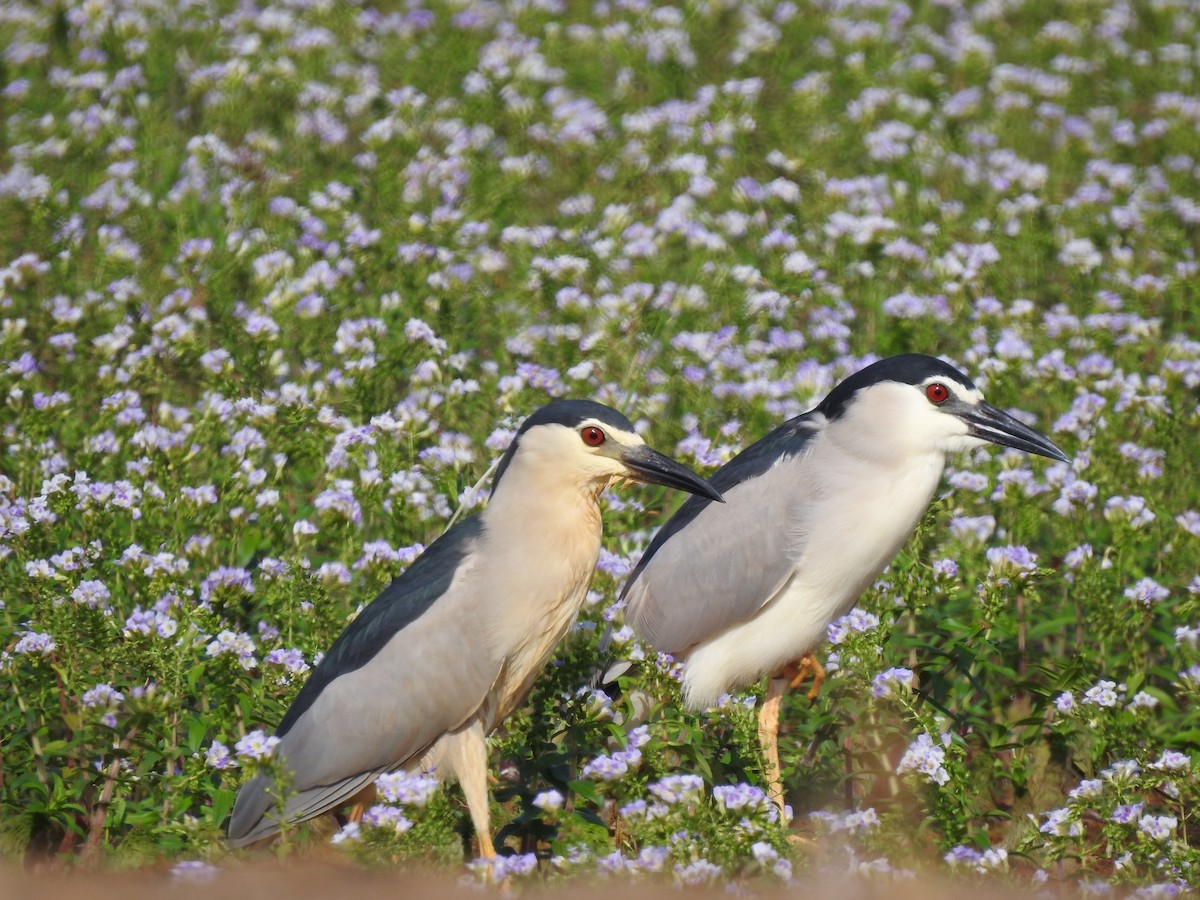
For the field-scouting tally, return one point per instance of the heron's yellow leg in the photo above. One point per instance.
(361, 801)
(468, 757)
(768, 738)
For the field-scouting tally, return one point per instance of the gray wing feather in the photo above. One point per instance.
(714, 565)
(720, 570)
(301, 807)
(428, 678)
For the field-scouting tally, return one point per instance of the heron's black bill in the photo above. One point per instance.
(651, 466)
(990, 424)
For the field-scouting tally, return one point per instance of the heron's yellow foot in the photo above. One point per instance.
(796, 672)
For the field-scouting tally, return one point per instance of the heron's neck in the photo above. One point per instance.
(559, 519)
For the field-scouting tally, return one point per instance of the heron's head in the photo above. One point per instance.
(915, 404)
(592, 445)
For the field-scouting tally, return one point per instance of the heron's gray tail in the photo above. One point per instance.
(609, 667)
(249, 822)
(255, 816)
(604, 678)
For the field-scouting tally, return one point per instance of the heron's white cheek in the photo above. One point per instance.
(959, 443)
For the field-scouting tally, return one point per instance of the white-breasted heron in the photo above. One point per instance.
(814, 511)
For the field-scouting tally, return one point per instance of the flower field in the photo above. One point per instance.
(280, 278)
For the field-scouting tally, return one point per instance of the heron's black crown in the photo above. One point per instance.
(573, 413)
(908, 368)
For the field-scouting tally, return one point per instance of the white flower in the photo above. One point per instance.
(549, 801)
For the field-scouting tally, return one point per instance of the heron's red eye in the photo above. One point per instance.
(937, 393)
(592, 436)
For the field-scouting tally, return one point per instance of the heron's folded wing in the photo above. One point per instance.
(408, 669)
(715, 565)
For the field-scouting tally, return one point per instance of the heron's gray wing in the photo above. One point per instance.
(408, 669)
(714, 565)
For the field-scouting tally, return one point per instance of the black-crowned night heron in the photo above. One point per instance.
(814, 511)
(454, 644)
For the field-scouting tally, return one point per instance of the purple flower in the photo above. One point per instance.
(972, 529)
(334, 573)
(924, 757)
(606, 768)
(140, 621)
(202, 495)
(1131, 509)
(1088, 789)
(291, 659)
(1059, 823)
(1157, 828)
(102, 695)
(736, 797)
(303, 528)
(683, 789)
(91, 594)
(218, 756)
(859, 822)
(641, 811)
(1127, 814)
(339, 501)
(1011, 562)
(894, 681)
(1076, 557)
(1075, 492)
(1147, 591)
(615, 863)
(1172, 760)
(244, 441)
(1149, 460)
(1189, 521)
(406, 788)
(383, 816)
(256, 746)
(504, 867)
(1142, 700)
(35, 642)
(233, 643)
(969, 481)
(1080, 254)
(1190, 677)
(653, 858)
(856, 621)
(994, 860)
(962, 855)
(1122, 770)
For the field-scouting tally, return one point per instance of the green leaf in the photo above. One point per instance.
(587, 790)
